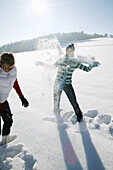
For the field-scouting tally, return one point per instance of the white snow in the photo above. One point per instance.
(46, 142)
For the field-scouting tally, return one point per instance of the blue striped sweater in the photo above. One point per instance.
(66, 69)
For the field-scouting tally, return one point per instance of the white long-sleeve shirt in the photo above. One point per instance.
(7, 80)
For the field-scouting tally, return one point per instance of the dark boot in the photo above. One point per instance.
(79, 117)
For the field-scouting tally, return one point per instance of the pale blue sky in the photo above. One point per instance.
(17, 22)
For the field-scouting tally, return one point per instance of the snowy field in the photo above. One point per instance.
(45, 142)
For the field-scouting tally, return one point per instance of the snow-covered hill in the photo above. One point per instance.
(46, 142)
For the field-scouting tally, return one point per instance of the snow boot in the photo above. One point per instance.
(79, 117)
(4, 140)
(7, 139)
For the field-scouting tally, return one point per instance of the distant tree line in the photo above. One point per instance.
(63, 38)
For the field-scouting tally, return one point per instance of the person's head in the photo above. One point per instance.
(70, 49)
(7, 61)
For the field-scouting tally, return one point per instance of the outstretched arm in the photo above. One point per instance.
(16, 86)
(58, 62)
(40, 63)
(87, 68)
(83, 67)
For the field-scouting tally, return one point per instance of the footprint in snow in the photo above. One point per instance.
(17, 157)
(93, 119)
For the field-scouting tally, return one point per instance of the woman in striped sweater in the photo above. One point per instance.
(63, 81)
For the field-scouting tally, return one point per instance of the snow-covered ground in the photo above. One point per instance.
(46, 142)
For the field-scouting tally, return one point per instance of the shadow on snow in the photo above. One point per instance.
(93, 160)
(70, 157)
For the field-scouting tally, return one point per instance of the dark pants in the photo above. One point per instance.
(7, 119)
(72, 98)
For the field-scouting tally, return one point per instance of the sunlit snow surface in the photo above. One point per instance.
(46, 141)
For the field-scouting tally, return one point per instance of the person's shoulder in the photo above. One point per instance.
(62, 58)
(13, 71)
(75, 60)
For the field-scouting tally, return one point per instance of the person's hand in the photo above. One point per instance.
(24, 101)
(96, 64)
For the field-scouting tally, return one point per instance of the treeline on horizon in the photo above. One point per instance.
(63, 38)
